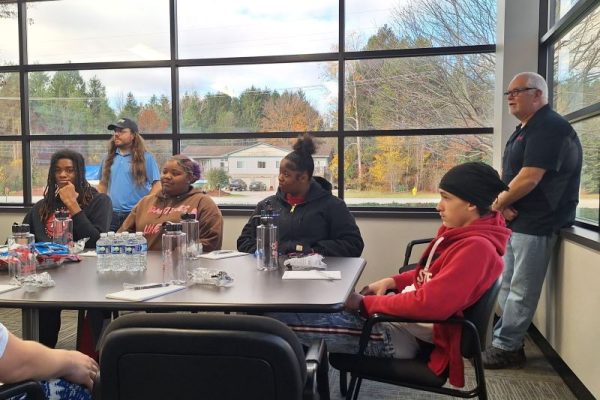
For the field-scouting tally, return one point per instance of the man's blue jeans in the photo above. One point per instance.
(342, 331)
(525, 265)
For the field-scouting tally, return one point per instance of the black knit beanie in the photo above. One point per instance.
(475, 182)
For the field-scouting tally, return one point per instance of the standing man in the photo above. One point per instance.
(128, 172)
(542, 167)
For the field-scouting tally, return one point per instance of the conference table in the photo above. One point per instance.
(79, 286)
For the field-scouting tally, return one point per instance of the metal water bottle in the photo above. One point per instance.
(267, 242)
(191, 227)
(62, 228)
(174, 249)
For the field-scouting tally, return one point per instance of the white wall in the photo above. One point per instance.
(567, 313)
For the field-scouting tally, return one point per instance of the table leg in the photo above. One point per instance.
(30, 324)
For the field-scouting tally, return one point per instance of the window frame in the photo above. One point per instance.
(176, 137)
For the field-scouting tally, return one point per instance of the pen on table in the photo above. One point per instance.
(154, 285)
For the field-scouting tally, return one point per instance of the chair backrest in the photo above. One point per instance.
(480, 314)
(204, 356)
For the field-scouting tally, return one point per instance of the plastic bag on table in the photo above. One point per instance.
(214, 277)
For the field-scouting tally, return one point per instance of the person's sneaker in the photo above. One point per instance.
(495, 358)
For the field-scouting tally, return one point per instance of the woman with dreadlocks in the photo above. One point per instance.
(177, 197)
(67, 189)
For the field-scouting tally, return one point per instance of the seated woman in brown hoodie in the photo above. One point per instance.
(176, 198)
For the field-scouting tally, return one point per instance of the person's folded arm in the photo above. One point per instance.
(521, 185)
(93, 220)
(24, 359)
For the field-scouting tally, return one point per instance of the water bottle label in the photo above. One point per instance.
(101, 250)
(129, 250)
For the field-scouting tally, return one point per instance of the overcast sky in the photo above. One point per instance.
(127, 30)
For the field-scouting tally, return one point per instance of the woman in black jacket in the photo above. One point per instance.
(67, 189)
(310, 218)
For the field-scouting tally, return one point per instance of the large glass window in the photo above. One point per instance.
(74, 102)
(404, 171)
(295, 97)
(562, 7)
(419, 92)
(589, 196)
(577, 66)
(10, 104)
(393, 24)
(9, 32)
(234, 82)
(238, 28)
(573, 60)
(89, 30)
(11, 173)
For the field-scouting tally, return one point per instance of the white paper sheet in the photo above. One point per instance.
(144, 294)
(8, 288)
(312, 274)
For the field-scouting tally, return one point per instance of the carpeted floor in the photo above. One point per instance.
(537, 380)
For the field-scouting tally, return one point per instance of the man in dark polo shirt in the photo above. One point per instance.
(542, 167)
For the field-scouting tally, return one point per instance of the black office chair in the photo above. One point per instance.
(409, 247)
(414, 373)
(208, 356)
(32, 389)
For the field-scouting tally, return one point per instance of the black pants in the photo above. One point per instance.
(117, 220)
(50, 325)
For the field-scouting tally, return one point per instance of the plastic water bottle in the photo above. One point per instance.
(191, 227)
(110, 239)
(103, 253)
(62, 228)
(117, 250)
(20, 247)
(143, 251)
(131, 252)
(174, 249)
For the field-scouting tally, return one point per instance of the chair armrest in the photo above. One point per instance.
(316, 352)
(410, 246)
(316, 360)
(33, 389)
(97, 388)
(378, 318)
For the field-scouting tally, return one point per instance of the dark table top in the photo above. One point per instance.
(80, 286)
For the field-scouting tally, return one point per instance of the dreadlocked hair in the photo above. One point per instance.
(301, 157)
(138, 161)
(50, 202)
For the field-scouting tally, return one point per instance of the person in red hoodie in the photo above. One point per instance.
(459, 265)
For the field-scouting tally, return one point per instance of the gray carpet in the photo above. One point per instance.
(537, 380)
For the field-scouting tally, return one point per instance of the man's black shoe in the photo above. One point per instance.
(495, 358)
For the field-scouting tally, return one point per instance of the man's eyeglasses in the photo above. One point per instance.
(516, 92)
